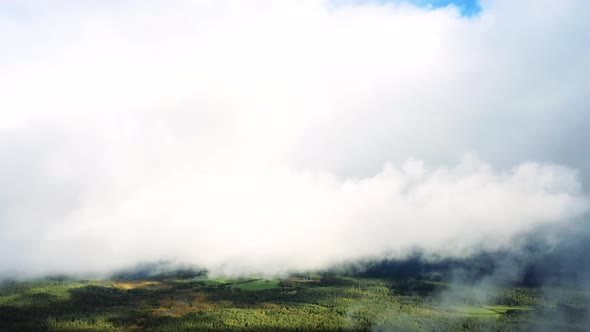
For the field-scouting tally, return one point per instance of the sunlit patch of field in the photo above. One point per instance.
(151, 285)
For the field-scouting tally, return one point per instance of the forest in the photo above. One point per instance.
(185, 301)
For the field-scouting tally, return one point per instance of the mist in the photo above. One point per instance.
(264, 137)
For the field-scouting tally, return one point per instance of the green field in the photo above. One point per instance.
(483, 310)
(257, 284)
(327, 302)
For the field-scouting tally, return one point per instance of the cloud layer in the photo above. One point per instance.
(250, 136)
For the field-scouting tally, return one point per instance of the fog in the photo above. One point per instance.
(267, 137)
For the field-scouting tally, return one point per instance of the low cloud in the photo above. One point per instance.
(80, 206)
(254, 136)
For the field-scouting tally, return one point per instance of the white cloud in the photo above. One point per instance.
(255, 133)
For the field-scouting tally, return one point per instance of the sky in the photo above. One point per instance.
(259, 136)
(466, 7)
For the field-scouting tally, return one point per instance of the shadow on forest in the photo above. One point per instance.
(83, 302)
(126, 308)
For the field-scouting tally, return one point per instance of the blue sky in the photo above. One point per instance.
(467, 7)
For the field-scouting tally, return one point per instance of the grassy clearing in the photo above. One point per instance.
(502, 309)
(468, 310)
(482, 310)
(257, 285)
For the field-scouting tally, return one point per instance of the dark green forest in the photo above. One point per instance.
(325, 302)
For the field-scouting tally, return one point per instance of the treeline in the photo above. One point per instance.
(329, 302)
